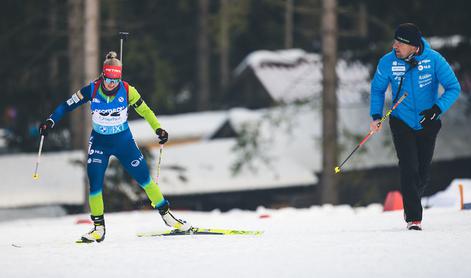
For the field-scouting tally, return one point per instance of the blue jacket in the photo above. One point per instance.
(421, 84)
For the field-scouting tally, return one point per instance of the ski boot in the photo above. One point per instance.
(171, 220)
(98, 232)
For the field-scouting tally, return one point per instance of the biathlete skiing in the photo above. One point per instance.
(110, 98)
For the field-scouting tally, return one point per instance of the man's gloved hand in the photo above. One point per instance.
(376, 124)
(163, 135)
(45, 126)
(430, 115)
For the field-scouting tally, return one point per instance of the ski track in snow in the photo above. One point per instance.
(317, 242)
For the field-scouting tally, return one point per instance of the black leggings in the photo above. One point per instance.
(414, 150)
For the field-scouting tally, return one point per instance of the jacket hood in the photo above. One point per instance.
(426, 47)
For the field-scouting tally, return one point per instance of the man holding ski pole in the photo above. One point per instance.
(414, 68)
(110, 98)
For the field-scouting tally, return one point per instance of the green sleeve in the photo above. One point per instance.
(142, 109)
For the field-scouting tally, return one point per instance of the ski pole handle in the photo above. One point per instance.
(36, 175)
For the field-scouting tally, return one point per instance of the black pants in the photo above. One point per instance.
(414, 150)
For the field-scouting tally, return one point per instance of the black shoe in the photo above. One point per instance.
(414, 225)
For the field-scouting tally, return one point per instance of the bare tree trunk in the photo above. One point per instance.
(203, 56)
(362, 20)
(75, 53)
(91, 57)
(91, 65)
(224, 44)
(53, 56)
(111, 21)
(289, 24)
(329, 112)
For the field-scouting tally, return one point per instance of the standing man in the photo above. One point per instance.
(414, 68)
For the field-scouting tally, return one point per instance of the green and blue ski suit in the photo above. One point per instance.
(111, 136)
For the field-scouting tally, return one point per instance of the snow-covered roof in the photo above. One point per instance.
(450, 41)
(205, 167)
(286, 132)
(290, 137)
(60, 180)
(295, 131)
(293, 74)
(180, 127)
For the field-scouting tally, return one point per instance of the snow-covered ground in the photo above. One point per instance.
(317, 242)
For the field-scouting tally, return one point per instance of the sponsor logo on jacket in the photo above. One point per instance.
(106, 112)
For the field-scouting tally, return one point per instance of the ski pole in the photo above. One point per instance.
(158, 163)
(122, 37)
(36, 175)
(337, 169)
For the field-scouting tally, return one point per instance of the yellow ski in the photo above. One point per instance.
(201, 231)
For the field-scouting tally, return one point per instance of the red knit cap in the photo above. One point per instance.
(112, 71)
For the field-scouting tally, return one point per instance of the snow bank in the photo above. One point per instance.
(450, 197)
(317, 242)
